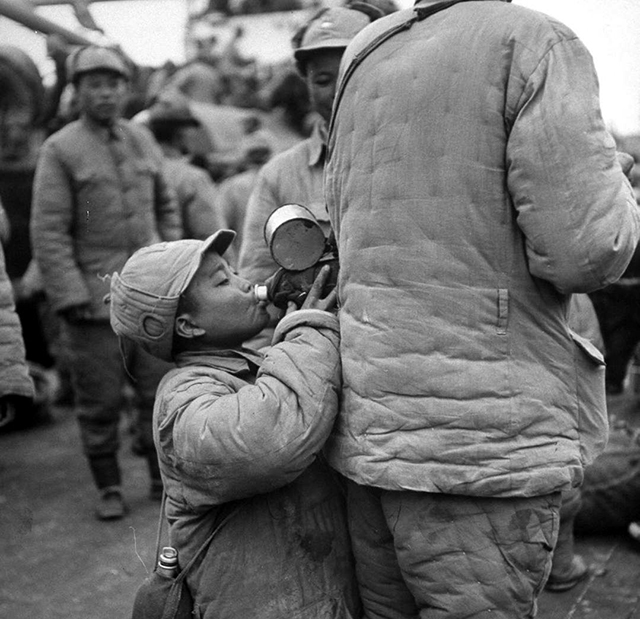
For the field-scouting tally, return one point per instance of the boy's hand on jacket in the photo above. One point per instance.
(314, 299)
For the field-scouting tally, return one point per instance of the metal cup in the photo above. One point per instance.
(294, 237)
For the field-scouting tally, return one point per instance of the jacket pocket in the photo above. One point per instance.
(142, 167)
(591, 400)
(89, 179)
(140, 176)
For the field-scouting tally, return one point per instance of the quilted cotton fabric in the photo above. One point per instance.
(467, 209)
(96, 201)
(231, 443)
(14, 373)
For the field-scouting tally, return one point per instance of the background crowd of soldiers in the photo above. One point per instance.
(217, 119)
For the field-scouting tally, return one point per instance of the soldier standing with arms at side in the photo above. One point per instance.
(472, 187)
(99, 195)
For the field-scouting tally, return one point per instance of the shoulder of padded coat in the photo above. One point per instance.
(182, 385)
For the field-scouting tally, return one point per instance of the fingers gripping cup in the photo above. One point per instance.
(298, 244)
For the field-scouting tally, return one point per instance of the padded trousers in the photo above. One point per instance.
(99, 375)
(436, 556)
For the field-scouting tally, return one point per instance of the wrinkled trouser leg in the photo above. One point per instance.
(98, 378)
(564, 550)
(382, 588)
(454, 556)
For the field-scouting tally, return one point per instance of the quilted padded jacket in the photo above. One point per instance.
(467, 210)
(95, 202)
(14, 371)
(242, 452)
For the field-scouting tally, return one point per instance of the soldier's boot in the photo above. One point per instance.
(106, 475)
(567, 568)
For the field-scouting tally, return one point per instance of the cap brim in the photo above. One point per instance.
(219, 242)
(174, 120)
(330, 44)
(114, 71)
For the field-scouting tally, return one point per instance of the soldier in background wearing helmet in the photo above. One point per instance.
(99, 195)
(295, 176)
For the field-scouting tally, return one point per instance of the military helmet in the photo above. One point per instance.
(96, 58)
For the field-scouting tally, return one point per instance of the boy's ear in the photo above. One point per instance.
(186, 328)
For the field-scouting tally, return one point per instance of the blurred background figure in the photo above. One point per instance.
(16, 386)
(172, 124)
(28, 113)
(201, 78)
(295, 176)
(28, 109)
(218, 70)
(99, 195)
(618, 305)
(234, 192)
(567, 567)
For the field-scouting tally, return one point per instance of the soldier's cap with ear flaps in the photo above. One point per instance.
(145, 294)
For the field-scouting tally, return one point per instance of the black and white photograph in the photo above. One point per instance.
(320, 309)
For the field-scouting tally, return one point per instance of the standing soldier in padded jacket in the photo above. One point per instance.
(296, 175)
(472, 187)
(99, 195)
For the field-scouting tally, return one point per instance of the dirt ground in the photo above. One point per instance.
(59, 562)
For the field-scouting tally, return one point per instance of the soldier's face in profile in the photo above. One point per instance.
(322, 75)
(102, 95)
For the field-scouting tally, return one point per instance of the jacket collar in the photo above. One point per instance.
(317, 143)
(116, 130)
(235, 361)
